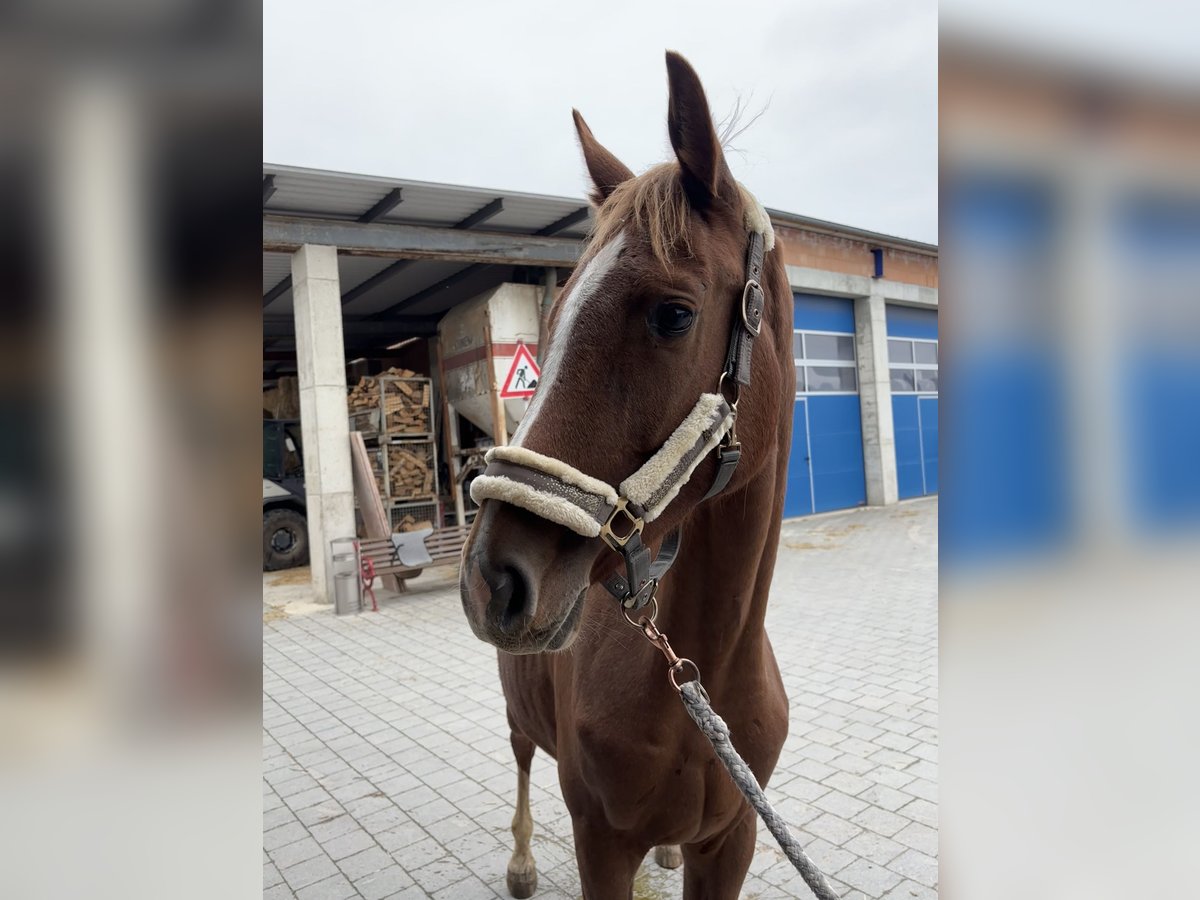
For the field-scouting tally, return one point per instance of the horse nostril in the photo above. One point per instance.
(510, 605)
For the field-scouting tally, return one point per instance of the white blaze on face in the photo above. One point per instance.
(587, 287)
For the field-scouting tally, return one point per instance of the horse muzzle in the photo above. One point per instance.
(523, 593)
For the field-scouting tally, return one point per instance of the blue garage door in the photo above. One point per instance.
(913, 360)
(826, 467)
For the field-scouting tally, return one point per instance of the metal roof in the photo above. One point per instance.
(315, 193)
(779, 217)
(343, 197)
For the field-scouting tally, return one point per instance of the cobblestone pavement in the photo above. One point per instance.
(387, 770)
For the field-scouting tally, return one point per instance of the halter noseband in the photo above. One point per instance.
(560, 493)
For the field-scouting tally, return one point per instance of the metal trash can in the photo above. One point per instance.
(347, 579)
(347, 593)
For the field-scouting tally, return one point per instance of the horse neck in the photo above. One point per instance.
(714, 600)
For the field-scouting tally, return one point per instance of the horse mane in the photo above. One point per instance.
(655, 201)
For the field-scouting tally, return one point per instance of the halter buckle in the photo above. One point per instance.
(610, 536)
(752, 311)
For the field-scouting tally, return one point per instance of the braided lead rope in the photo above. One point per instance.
(695, 701)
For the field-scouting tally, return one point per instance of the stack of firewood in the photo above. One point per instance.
(365, 394)
(405, 406)
(410, 470)
(405, 403)
(283, 400)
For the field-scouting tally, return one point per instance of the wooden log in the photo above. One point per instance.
(375, 520)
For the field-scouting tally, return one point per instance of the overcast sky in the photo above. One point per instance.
(480, 94)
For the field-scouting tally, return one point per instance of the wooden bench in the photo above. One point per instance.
(444, 546)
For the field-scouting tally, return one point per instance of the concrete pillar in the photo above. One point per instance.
(875, 398)
(324, 416)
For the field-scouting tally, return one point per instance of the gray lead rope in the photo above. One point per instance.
(695, 701)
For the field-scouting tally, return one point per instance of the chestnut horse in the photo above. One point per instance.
(640, 331)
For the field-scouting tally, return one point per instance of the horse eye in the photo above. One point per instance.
(671, 319)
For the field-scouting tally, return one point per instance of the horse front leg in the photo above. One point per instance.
(716, 869)
(607, 861)
(522, 872)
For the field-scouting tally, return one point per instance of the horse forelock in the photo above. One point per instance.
(654, 204)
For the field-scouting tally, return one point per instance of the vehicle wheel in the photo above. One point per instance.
(285, 540)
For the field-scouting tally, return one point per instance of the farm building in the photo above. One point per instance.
(360, 272)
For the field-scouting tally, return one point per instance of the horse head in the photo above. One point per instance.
(641, 330)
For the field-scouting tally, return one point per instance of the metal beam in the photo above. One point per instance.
(482, 214)
(565, 222)
(434, 289)
(268, 188)
(284, 326)
(499, 276)
(478, 217)
(383, 207)
(285, 234)
(375, 280)
(278, 291)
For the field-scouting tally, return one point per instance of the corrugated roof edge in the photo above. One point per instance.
(272, 169)
(886, 240)
(777, 215)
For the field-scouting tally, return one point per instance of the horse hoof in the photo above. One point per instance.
(668, 856)
(521, 885)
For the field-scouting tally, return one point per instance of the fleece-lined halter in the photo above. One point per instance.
(560, 493)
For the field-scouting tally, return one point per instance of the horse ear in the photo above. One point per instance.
(606, 170)
(689, 123)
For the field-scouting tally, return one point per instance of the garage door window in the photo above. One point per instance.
(825, 363)
(914, 366)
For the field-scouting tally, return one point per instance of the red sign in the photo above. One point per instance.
(523, 375)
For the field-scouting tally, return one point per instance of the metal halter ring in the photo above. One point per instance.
(679, 664)
(610, 537)
(737, 391)
(751, 318)
(650, 618)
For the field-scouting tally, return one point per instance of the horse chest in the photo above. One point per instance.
(647, 770)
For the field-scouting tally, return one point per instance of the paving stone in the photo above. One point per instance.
(419, 853)
(832, 828)
(918, 837)
(348, 844)
(366, 862)
(305, 799)
(926, 790)
(921, 811)
(470, 888)
(384, 883)
(873, 880)
(879, 821)
(295, 852)
(335, 888)
(283, 835)
(401, 836)
(875, 848)
(273, 818)
(916, 866)
(840, 804)
(908, 890)
(438, 874)
(309, 872)
(335, 827)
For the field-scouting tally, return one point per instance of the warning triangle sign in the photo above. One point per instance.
(522, 376)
